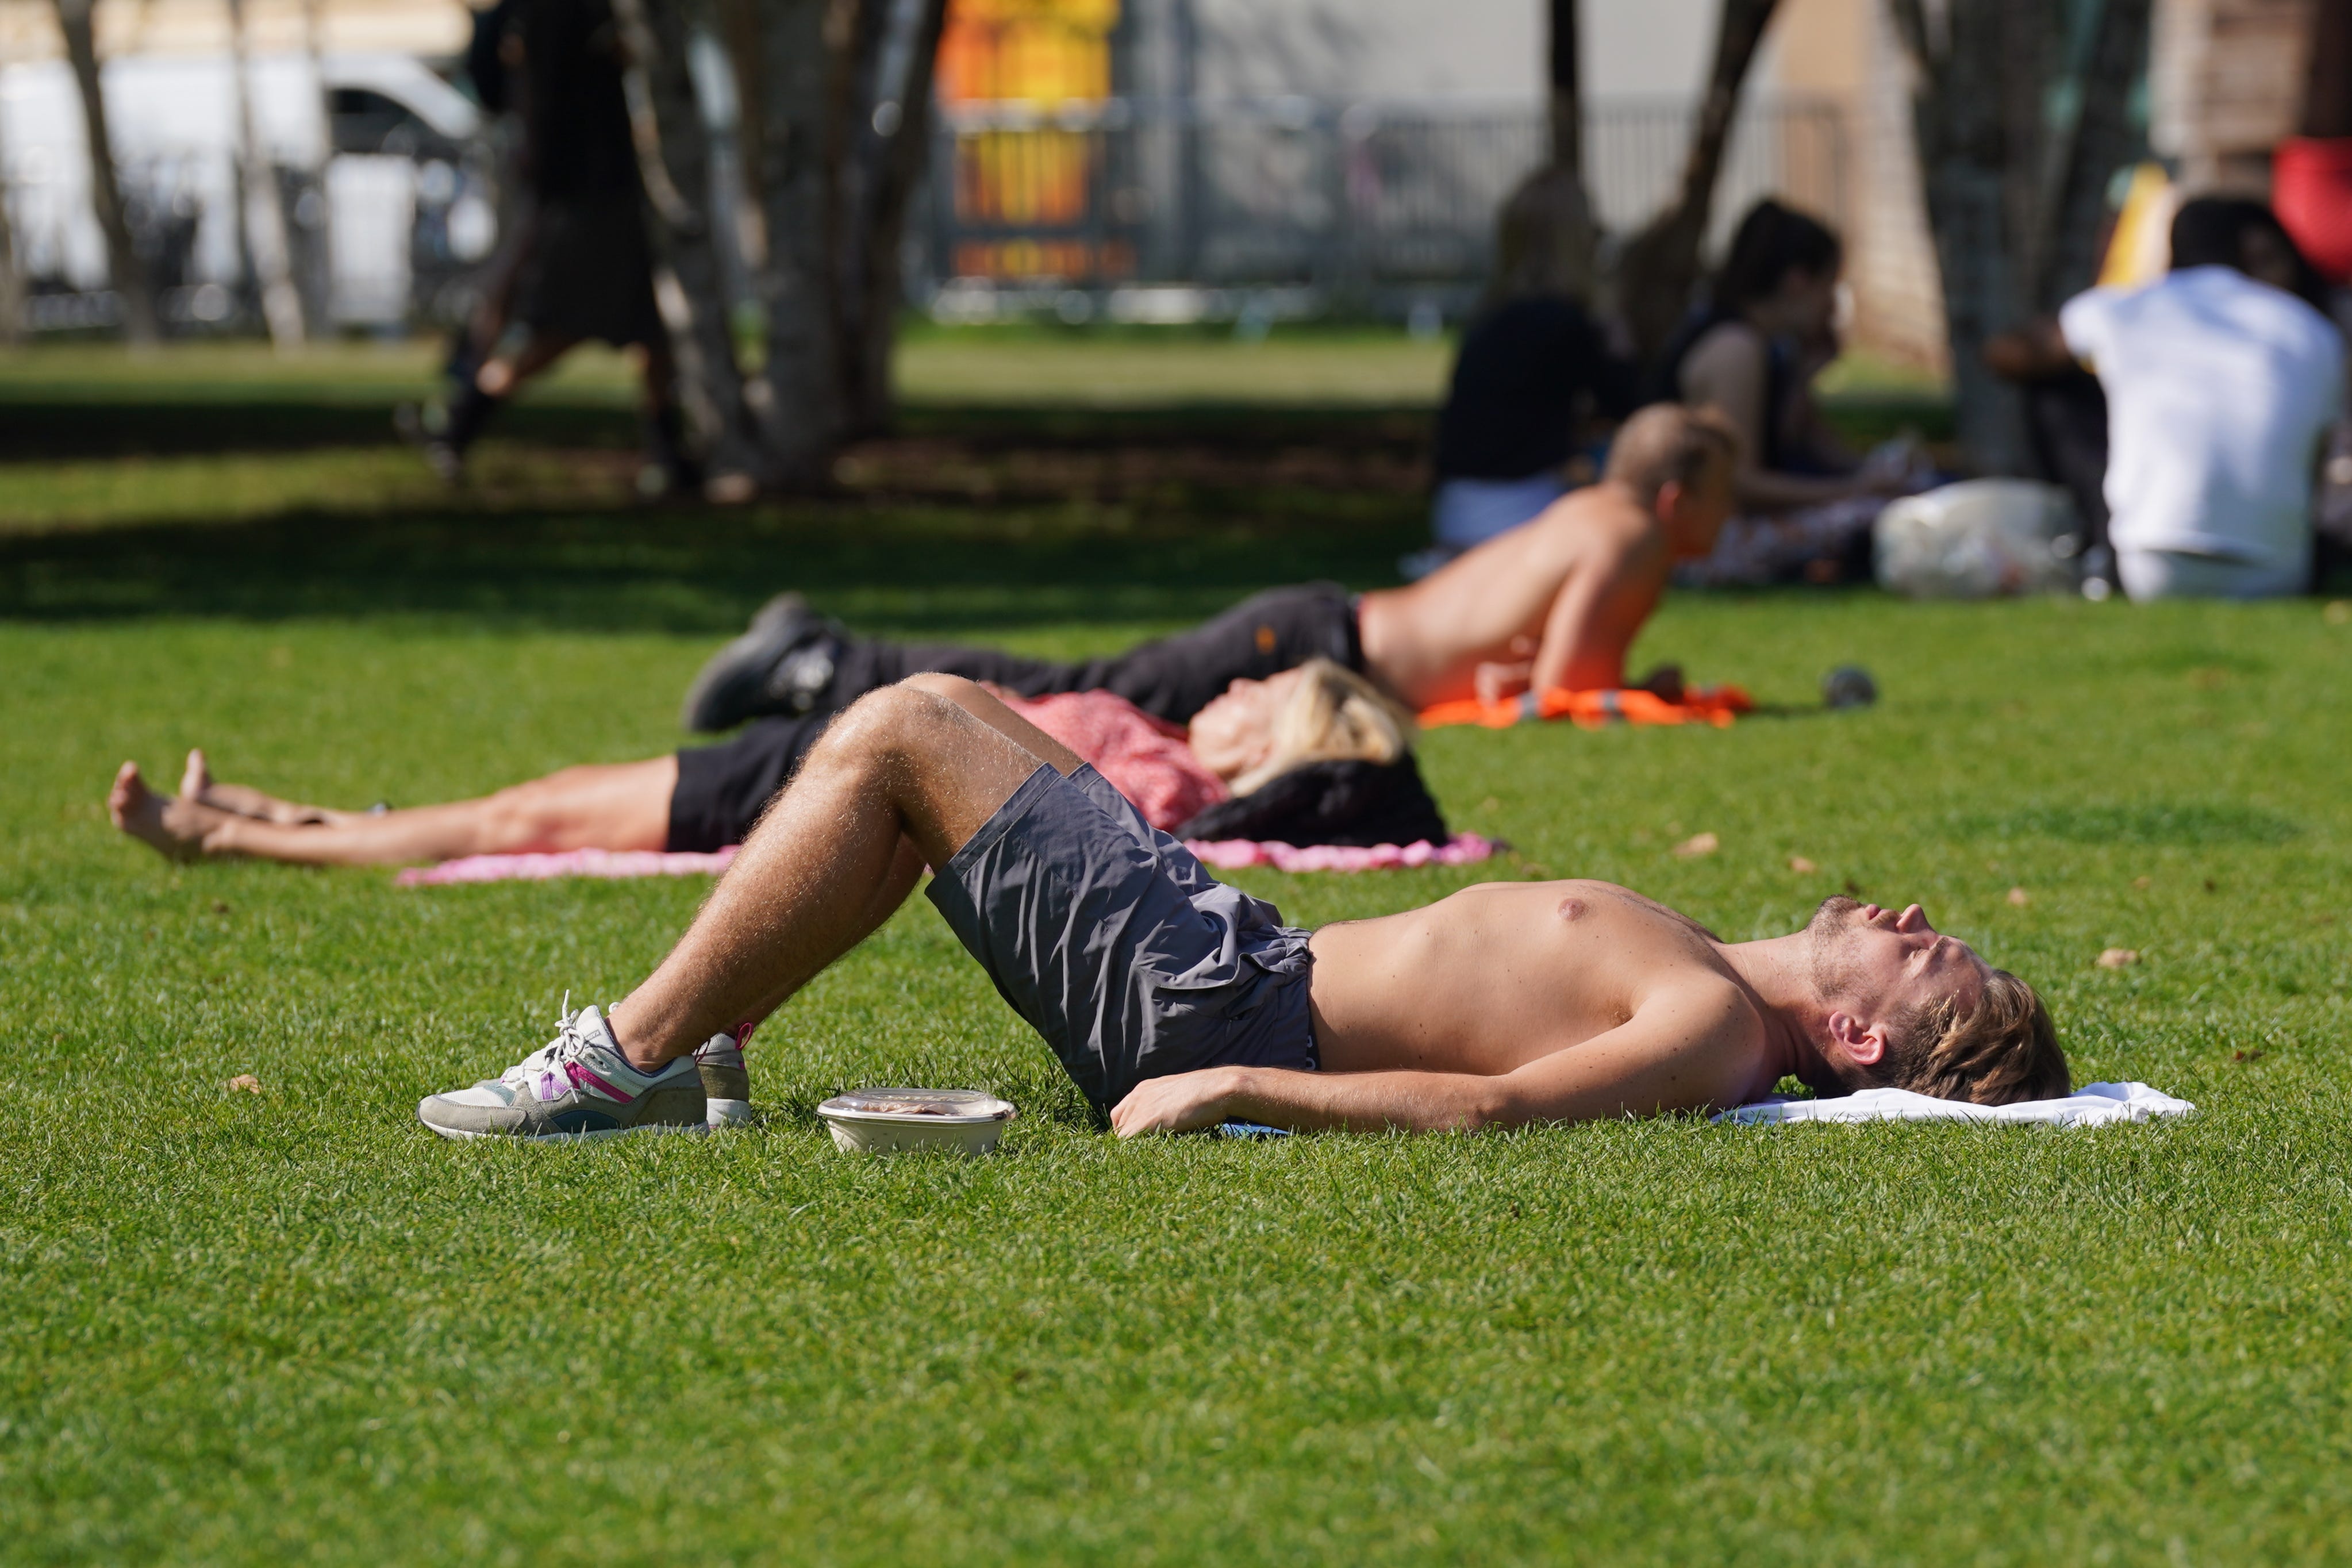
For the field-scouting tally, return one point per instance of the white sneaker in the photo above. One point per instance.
(578, 1086)
(726, 1081)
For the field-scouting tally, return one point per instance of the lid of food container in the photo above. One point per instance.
(930, 1105)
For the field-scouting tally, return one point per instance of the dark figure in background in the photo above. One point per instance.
(1805, 502)
(584, 269)
(493, 61)
(1533, 369)
(2221, 383)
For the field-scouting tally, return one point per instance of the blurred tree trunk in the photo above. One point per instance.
(2019, 119)
(797, 395)
(1545, 235)
(673, 154)
(837, 129)
(265, 240)
(1564, 104)
(314, 283)
(883, 122)
(1659, 267)
(2091, 143)
(12, 281)
(126, 273)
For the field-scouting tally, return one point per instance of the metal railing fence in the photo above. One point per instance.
(1336, 204)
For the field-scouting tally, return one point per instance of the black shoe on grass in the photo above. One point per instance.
(781, 665)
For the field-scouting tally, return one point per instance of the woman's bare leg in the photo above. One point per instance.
(620, 806)
(197, 783)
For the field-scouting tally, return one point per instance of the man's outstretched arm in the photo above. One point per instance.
(1689, 1052)
(1595, 616)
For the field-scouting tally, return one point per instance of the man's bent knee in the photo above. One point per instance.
(894, 720)
(958, 690)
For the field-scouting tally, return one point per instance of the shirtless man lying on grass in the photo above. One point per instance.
(1555, 604)
(1177, 1002)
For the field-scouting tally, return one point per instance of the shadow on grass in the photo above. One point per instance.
(951, 569)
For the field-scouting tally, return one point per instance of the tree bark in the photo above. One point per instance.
(2014, 195)
(1660, 265)
(796, 397)
(2102, 138)
(12, 281)
(888, 146)
(1545, 239)
(674, 153)
(1565, 102)
(266, 239)
(125, 271)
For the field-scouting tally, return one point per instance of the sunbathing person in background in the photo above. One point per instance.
(705, 798)
(1554, 604)
(1177, 1002)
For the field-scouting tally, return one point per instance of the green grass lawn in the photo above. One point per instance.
(293, 1325)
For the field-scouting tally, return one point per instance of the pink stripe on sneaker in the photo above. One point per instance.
(579, 1072)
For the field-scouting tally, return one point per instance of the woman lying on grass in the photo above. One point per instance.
(1175, 1001)
(706, 797)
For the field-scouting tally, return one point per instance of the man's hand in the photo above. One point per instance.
(1181, 1102)
(1493, 683)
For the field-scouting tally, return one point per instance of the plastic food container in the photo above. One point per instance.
(880, 1120)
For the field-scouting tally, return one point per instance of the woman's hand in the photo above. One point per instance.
(1181, 1102)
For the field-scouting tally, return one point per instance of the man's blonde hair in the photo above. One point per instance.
(2003, 1050)
(1670, 443)
(1332, 715)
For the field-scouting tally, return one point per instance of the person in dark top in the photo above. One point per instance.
(585, 268)
(1805, 503)
(1533, 367)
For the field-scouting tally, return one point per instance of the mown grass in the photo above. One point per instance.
(291, 1324)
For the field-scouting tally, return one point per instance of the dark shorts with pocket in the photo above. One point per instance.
(1119, 947)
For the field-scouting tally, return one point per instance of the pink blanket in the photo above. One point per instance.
(1462, 849)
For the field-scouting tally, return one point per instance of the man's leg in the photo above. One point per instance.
(899, 781)
(1172, 677)
(2066, 420)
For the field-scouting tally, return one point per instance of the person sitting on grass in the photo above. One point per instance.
(1177, 1002)
(705, 798)
(1554, 604)
(1805, 504)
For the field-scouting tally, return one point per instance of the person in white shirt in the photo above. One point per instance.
(2222, 386)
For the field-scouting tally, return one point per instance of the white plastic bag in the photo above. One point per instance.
(1978, 539)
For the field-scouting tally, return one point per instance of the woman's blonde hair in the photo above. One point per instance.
(1332, 715)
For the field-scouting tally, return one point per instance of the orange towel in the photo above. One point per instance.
(1715, 705)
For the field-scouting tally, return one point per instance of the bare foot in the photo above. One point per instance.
(197, 783)
(179, 829)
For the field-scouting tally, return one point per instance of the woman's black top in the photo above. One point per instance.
(1522, 369)
(1780, 378)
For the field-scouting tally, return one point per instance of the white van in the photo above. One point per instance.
(406, 194)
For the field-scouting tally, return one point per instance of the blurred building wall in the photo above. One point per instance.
(1844, 53)
(2226, 85)
(28, 28)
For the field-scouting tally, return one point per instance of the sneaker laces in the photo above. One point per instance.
(570, 1044)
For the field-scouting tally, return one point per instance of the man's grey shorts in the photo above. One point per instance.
(1118, 947)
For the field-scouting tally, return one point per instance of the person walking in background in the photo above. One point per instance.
(585, 267)
(2221, 382)
(1805, 504)
(1533, 369)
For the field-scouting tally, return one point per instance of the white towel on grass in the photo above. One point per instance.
(2093, 1105)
